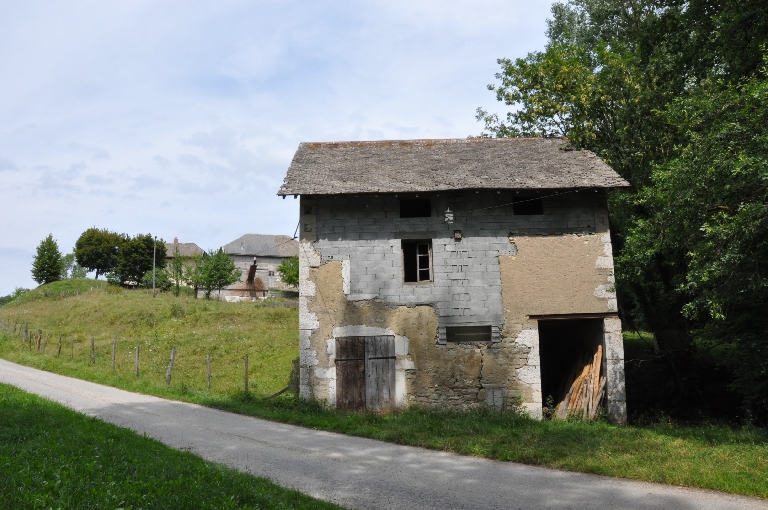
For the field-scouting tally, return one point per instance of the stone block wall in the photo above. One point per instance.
(502, 270)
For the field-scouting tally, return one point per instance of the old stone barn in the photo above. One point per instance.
(455, 273)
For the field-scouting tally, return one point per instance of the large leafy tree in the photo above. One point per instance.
(136, 255)
(97, 250)
(668, 93)
(712, 201)
(48, 263)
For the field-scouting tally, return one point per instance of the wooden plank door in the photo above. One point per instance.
(350, 373)
(380, 372)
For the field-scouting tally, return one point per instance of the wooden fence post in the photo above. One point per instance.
(45, 344)
(137, 361)
(58, 354)
(114, 350)
(93, 352)
(209, 370)
(295, 379)
(72, 352)
(39, 338)
(245, 376)
(170, 367)
(26, 335)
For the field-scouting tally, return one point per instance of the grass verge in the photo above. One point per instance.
(718, 457)
(53, 457)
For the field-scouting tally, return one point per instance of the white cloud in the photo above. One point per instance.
(180, 119)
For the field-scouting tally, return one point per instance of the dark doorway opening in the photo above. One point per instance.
(562, 343)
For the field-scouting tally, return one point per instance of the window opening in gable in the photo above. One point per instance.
(465, 334)
(529, 206)
(417, 260)
(415, 208)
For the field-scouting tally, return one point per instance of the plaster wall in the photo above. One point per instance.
(504, 269)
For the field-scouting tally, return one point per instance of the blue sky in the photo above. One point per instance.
(180, 118)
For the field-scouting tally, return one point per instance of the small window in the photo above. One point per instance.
(417, 261)
(271, 273)
(467, 334)
(529, 206)
(415, 208)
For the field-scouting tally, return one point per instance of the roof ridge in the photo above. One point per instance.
(414, 140)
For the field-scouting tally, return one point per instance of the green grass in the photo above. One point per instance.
(81, 309)
(52, 457)
(730, 459)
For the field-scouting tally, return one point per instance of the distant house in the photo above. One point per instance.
(258, 256)
(186, 250)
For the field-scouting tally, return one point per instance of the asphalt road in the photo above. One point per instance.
(356, 472)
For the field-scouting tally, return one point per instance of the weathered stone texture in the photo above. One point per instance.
(504, 269)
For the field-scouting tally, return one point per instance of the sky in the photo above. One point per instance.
(180, 119)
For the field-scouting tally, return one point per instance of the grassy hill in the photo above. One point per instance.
(80, 309)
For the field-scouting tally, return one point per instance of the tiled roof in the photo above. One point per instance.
(436, 165)
(259, 245)
(185, 249)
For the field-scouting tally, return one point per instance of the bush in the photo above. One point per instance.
(163, 280)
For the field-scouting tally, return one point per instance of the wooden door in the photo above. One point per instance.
(365, 372)
(380, 372)
(350, 373)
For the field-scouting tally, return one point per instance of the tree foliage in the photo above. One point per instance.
(176, 270)
(712, 202)
(97, 250)
(135, 257)
(216, 271)
(71, 268)
(670, 93)
(163, 281)
(289, 271)
(48, 264)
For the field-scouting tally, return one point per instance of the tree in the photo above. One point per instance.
(668, 93)
(217, 270)
(162, 282)
(193, 272)
(71, 268)
(176, 269)
(289, 271)
(15, 294)
(97, 250)
(47, 264)
(135, 257)
(712, 202)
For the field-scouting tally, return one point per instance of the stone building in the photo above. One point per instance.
(257, 256)
(453, 273)
(186, 251)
